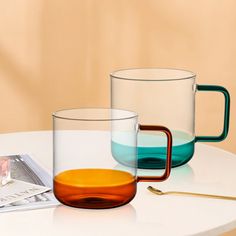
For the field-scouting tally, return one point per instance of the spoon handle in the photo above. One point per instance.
(203, 195)
(158, 192)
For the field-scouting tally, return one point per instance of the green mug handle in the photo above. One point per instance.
(216, 88)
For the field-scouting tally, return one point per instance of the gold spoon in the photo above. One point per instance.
(159, 192)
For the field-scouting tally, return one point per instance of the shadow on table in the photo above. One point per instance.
(73, 216)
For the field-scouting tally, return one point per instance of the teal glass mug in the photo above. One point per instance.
(166, 97)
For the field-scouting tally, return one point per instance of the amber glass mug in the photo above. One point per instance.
(85, 173)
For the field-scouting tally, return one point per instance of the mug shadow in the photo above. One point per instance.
(69, 216)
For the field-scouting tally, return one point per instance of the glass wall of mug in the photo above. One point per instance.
(166, 97)
(85, 173)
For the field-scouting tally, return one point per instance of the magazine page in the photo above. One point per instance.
(24, 168)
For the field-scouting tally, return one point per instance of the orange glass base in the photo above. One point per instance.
(94, 188)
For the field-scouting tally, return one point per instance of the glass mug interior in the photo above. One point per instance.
(161, 96)
(85, 173)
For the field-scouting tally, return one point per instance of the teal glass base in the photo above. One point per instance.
(154, 157)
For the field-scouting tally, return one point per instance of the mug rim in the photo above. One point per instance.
(189, 74)
(128, 114)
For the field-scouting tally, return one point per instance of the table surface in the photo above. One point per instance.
(211, 171)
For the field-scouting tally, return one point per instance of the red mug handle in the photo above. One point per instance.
(169, 152)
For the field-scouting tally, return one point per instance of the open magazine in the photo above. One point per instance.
(24, 168)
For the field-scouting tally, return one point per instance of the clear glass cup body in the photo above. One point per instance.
(162, 97)
(85, 173)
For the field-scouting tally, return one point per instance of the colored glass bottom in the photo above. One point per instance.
(94, 188)
(151, 151)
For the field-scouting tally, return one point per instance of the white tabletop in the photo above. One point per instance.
(211, 170)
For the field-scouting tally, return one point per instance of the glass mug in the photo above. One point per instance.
(167, 97)
(84, 169)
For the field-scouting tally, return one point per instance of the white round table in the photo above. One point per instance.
(211, 171)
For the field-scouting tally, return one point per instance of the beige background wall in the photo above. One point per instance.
(58, 53)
